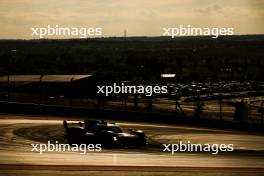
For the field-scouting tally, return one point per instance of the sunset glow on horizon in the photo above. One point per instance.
(139, 17)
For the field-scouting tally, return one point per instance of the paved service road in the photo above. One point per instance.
(17, 133)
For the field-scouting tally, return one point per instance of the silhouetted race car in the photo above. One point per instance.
(106, 134)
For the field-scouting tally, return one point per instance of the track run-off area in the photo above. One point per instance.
(18, 132)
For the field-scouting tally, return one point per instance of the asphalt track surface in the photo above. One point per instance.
(17, 133)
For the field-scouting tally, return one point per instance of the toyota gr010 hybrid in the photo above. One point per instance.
(106, 134)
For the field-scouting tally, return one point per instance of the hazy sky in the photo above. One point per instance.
(139, 17)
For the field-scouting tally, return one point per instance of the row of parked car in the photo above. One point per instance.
(212, 90)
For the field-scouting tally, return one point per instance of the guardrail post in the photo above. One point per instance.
(262, 112)
(12, 52)
(8, 87)
(125, 101)
(150, 106)
(136, 101)
(71, 89)
(221, 109)
(40, 89)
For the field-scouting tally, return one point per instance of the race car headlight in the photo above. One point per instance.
(114, 138)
